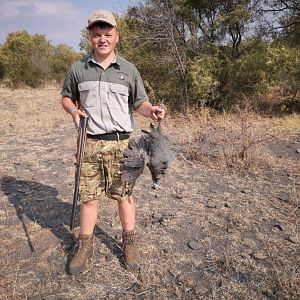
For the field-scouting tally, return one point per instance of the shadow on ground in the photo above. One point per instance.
(40, 204)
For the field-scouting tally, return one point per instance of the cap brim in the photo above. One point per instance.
(100, 21)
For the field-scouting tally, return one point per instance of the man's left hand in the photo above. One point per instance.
(157, 113)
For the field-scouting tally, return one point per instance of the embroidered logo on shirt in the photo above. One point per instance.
(122, 77)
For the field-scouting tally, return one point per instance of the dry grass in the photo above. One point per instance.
(234, 190)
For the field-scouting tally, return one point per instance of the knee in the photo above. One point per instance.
(89, 204)
(125, 202)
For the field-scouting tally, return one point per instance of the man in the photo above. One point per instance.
(107, 88)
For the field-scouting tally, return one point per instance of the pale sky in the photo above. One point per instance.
(60, 21)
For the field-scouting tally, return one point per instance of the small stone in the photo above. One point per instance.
(297, 150)
(277, 227)
(200, 289)
(178, 196)
(268, 293)
(157, 216)
(260, 255)
(189, 279)
(155, 185)
(246, 191)
(211, 204)
(283, 197)
(194, 245)
(118, 237)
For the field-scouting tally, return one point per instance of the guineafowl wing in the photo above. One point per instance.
(134, 159)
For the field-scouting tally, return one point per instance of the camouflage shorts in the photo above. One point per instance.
(100, 173)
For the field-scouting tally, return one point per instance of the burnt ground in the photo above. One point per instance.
(225, 224)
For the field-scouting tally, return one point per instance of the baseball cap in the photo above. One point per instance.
(102, 16)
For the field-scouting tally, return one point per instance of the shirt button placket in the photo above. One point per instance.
(101, 98)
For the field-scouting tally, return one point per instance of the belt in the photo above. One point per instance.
(112, 136)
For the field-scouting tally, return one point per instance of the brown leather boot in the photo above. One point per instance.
(83, 251)
(130, 251)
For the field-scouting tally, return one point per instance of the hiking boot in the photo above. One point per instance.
(130, 251)
(83, 251)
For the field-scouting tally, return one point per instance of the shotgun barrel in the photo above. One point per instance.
(80, 152)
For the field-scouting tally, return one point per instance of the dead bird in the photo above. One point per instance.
(152, 149)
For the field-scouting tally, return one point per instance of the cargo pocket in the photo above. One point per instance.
(89, 180)
(88, 93)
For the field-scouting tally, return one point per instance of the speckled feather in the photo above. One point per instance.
(151, 149)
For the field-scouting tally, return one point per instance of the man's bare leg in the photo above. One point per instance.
(130, 249)
(127, 213)
(88, 217)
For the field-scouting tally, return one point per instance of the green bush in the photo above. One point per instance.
(222, 82)
(283, 65)
(62, 56)
(31, 60)
(25, 59)
(2, 68)
(204, 82)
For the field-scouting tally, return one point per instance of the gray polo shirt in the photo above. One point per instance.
(107, 96)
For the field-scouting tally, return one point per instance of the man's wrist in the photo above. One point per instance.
(72, 110)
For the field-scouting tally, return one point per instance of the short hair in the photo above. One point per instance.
(102, 25)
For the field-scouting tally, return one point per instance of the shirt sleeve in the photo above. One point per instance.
(70, 86)
(138, 90)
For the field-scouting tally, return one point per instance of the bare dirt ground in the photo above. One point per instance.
(225, 224)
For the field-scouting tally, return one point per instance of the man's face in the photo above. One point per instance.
(104, 40)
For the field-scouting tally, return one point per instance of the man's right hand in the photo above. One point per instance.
(76, 115)
(70, 107)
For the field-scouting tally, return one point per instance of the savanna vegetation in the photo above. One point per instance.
(216, 54)
(190, 53)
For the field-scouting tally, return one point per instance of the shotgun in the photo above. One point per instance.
(80, 152)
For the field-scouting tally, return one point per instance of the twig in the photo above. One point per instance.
(14, 290)
(187, 161)
(144, 292)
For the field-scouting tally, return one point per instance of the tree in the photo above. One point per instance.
(222, 21)
(84, 44)
(62, 56)
(32, 60)
(163, 32)
(286, 14)
(25, 58)
(2, 68)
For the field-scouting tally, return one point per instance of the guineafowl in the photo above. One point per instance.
(151, 149)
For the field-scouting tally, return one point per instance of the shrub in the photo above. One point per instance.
(204, 82)
(25, 59)
(62, 56)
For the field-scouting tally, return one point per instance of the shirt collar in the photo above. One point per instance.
(116, 60)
